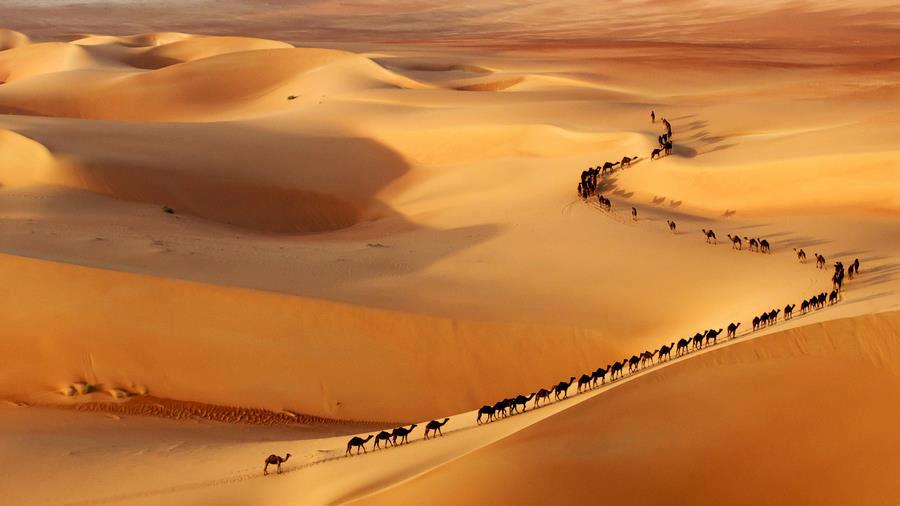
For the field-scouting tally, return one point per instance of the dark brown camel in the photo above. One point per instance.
(732, 330)
(804, 307)
(735, 242)
(618, 367)
(647, 356)
(275, 460)
(764, 246)
(668, 147)
(682, 346)
(820, 261)
(752, 244)
(402, 433)
(710, 235)
(789, 311)
(764, 320)
(833, 297)
(626, 161)
(821, 299)
(521, 399)
(357, 442)
(634, 214)
(434, 426)
(633, 363)
(486, 411)
(665, 351)
(541, 394)
(712, 335)
(383, 436)
(773, 316)
(756, 322)
(698, 340)
(856, 264)
(671, 226)
(500, 408)
(851, 271)
(600, 374)
(801, 255)
(584, 382)
(654, 155)
(563, 388)
(609, 165)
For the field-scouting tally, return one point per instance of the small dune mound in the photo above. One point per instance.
(140, 40)
(488, 85)
(45, 58)
(24, 160)
(195, 48)
(10, 39)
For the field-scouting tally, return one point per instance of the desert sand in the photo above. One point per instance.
(223, 236)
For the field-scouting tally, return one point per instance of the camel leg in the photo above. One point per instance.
(266, 470)
(279, 468)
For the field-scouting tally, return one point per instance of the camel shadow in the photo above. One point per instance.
(674, 204)
(658, 200)
(684, 151)
(623, 194)
(729, 213)
(878, 275)
(798, 242)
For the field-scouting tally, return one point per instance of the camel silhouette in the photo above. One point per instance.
(735, 242)
(671, 226)
(837, 280)
(821, 300)
(275, 460)
(500, 408)
(668, 147)
(804, 306)
(756, 322)
(752, 244)
(710, 235)
(856, 264)
(487, 411)
(764, 246)
(634, 214)
(521, 399)
(633, 363)
(713, 335)
(773, 316)
(801, 255)
(764, 319)
(665, 351)
(383, 436)
(732, 330)
(357, 442)
(541, 394)
(609, 166)
(402, 433)
(434, 426)
(618, 367)
(626, 161)
(682, 346)
(647, 356)
(584, 382)
(654, 155)
(833, 297)
(698, 340)
(789, 311)
(600, 374)
(820, 261)
(851, 271)
(563, 388)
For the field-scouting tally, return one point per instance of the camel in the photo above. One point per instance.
(804, 307)
(600, 374)
(500, 408)
(710, 235)
(402, 433)
(821, 299)
(626, 161)
(541, 394)
(668, 147)
(714, 335)
(801, 255)
(634, 214)
(752, 244)
(383, 436)
(275, 460)
(764, 319)
(652, 116)
(563, 388)
(617, 368)
(833, 297)
(682, 347)
(609, 165)
(789, 311)
(732, 330)
(662, 140)
(764, 246)
(647, 356)
(654, 155)
(756, 322)
(820, 261)
(604, 202)
(435, 427)
(665, 351)
(838, 281)
(856, 264)
(671, 226)
(735, 242)
(851, 271)
(698, 340)
(521, 399)
(584, 382)
(487, 411)
(773, 316)
(357, 442)
(633, 363)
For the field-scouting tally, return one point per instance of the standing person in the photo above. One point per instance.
(652, 116)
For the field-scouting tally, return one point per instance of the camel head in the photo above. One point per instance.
(366, 440)
(287, 456)
(445, 421)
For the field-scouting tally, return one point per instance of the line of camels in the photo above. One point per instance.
(617, 370)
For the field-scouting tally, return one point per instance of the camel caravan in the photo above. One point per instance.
(601, 376)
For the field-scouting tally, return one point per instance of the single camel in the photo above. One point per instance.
(609, 165)
(752, 244)
(654, 155)
(789, 311)
(563, 388)
(666, 351)
(357, 442)
(633, 363)
(773, 316)
(618, 367)
(801, 255)
(833, 297)
(521, 399)
(821, 299)
(668, 147)
(820, 261)
(434, 427)
(682, 347)
(500, 408)
(275, 460)
(856, 264)
(402, 433)
(838, 281)
(735, 242)
(698, 340)
(712, 335)
(541, 394)
(764, 246)
(382, 436)
(486, 411)
(647, 356)
(634, 214)
(764, 319)
(756, 322)
(710, 235)
(671, 226)
(626, 161)
(851, 271)
(584, 382)
(804, 306)
(732, 330)
(600, 374)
